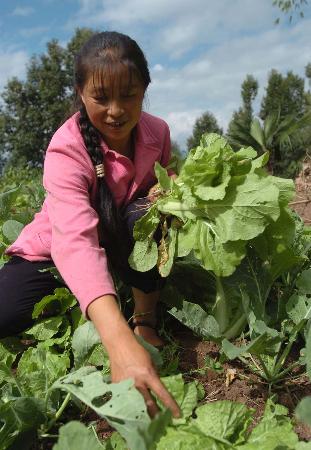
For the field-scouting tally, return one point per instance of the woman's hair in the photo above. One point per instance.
(107, 55)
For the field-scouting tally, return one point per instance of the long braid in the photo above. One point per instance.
(104, 55)
(112, 232)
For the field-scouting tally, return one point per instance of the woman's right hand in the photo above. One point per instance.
(128, 359)
(133, 361)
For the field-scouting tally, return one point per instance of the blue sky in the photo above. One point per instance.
(199, 51)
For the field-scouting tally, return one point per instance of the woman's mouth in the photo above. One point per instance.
(115, 125)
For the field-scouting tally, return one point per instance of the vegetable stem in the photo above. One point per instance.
(59, 412)
(237, 328)
(264, 368)
(63, 406)
(221, 307)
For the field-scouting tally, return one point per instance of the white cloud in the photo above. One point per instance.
(175, 26)
(157, 68)
(181, 124)
(34, 31)
(212, 80)
(12, 63)
(23, 11)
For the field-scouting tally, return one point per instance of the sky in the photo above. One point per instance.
(199, 51)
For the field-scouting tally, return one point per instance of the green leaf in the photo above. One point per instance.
(221, 258)
(9, 349)
(298, 308)
(45, 329)
(119, 403)
(7, 200)
(156, 429)
(304, 282)
(249, 206)
(76, 436)
(39, 367)
(144, 255)
(62, 298)
(84, 339)
(164, 179)
(224, 420)
(153, 351)
(255, 347)
(12, 229)
(186, 238)
(186, 395)
(24, 413)
(257, 132)
(99, 357)
(308, 352)
(198, 320)
(116, 442)
(145, 227)
(259, 162)
(273, 431)
(5, 370)
(303, 411)
(166, 266)
(187, 437)
(303, 446)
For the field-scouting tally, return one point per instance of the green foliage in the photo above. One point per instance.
(21, 196)
(284, 95)
(303, 410)
(242, 118)
(290, 7)
(206, 123)
(283, 138)
(33, 109)
(74, 435)
(284, 126)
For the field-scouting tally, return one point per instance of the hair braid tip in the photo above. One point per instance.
(100, 170)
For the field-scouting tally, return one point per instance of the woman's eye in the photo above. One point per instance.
(101, 99)
(129, 94)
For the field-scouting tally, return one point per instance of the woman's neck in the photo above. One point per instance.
(125, 148)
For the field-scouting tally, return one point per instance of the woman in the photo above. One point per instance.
(97, 164)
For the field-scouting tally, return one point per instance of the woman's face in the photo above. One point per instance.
(114, 108)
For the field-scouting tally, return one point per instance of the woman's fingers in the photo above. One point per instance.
(151, 404)
(162, 393)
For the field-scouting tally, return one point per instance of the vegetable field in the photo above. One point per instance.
(236, 317)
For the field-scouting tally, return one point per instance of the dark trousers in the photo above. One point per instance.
(22, 285)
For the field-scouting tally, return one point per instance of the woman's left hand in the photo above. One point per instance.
(154, 193)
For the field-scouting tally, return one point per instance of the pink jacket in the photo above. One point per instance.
(65, 230)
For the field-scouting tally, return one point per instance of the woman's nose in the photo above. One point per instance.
(115, 108)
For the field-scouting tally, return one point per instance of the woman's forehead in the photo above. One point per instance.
(113, 78)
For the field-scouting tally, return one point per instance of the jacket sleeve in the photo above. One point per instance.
(74, 247)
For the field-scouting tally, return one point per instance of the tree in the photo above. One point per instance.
(290, 7)
(241, 119)
(284, 94)
(283, 138)
(176, 150)
(206, 123)
(33, 109)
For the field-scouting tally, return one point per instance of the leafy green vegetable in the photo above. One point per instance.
(219, 209)
(75, 436)
(303, 410)
(120, 404)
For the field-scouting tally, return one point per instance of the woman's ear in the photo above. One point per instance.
(80, 95)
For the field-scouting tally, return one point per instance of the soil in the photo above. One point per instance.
(244, 387)
(302, 201)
